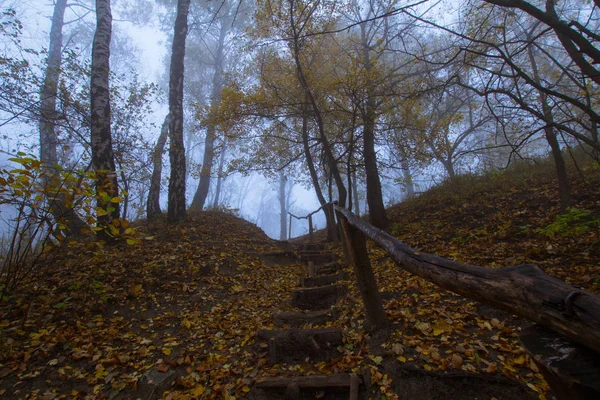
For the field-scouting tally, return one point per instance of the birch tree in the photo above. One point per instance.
(107, 188)
(176, 208)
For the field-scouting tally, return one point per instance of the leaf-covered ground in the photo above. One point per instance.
(186, 304)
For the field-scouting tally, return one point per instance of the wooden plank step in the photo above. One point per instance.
(322, 280)
(317, 298)
(299, 318)
(339, 381)
(316, 257)
(327, 269)
(311, 247)
(296, 345)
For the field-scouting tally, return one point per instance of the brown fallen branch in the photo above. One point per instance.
(523, 290)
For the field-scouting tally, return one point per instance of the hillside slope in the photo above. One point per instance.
(176, 316)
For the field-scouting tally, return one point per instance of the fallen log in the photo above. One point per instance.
(523, 290)
(571, 370)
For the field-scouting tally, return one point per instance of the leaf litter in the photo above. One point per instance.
(176, 316)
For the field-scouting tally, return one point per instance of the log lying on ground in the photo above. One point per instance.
(571, 370)
(523, 290)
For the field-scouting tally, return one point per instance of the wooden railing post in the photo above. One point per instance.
(356, 244)
(310, 228)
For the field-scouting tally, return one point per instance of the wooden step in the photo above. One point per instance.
(316, 257)
(311, 247)
(299, 318)
(296, 345)
(322, 280)
(327, 269)
(317, 298)
(327, 383)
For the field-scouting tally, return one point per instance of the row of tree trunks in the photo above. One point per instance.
(523, 290)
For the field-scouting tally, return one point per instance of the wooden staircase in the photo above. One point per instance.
(314, 301)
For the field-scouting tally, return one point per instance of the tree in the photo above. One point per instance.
(48, 117)
(176, 207)
(576, 37)
(225, 18)
(369, 53)
(153, 204)
(107, 188)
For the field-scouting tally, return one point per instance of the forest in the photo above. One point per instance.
(159, 160)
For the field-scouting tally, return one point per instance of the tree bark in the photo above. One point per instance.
(176, 208)
(48, 139)
(523, 290)
(314, 177)
(153, 204)
(220, 177)
(564, 187)
(327, 148)
(209, 145)
(355, 191)
(377, 214)
(103, 162)
(282, 206)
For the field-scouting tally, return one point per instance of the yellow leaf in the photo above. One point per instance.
(519, 360)
(402, 359)
(101, 212)
(116, 200)
(136, 290)
(198, 390)
(131, 242)
(167, 351)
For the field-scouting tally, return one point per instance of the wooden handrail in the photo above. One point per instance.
(524, 290)
(309, 218)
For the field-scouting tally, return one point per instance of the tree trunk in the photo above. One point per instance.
(176, 208)
(327, 148)
(209, 145)
(102, 152)
(564, 187)
(523, 290)
(282, 206)
(377, 213)
(153, 204)
(407, 178)
(355, 192)
(48, 140)
(219, 177)
(314, 177)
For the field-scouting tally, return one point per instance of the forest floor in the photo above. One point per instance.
(176, 316)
